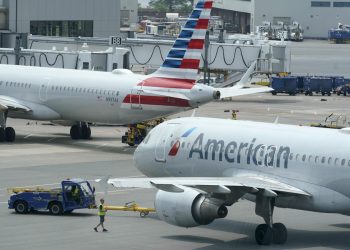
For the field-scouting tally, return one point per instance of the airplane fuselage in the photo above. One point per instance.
(104, 97)
(312, 159)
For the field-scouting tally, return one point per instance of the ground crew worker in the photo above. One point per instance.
(234, 115)
(101, 214)
(75, 194)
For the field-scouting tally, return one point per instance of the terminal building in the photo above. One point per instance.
(316, 17)
(88, 18)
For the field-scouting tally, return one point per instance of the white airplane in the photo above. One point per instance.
(118, 97)
(202, 165)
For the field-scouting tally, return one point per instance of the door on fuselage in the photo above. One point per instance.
(135, 99)
(44, 87)
(164, 139)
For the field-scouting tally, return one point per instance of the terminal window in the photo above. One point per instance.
(341, 4)
(320, 4)
(62, 28)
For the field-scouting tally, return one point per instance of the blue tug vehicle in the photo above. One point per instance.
(73, 194)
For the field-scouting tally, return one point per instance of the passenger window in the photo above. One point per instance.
(310, 158)
(316, 159)
(343, 162)
(336, 161)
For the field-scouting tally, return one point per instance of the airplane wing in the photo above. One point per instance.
(9, 103)
(241, 88)
(222, 185)
(232, 92)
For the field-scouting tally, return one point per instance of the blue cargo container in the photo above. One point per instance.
(316, 84)
(287, 84)
(339, 35)
(300, 83)
(337, 81)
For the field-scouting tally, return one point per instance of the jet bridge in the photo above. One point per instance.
(235, 54)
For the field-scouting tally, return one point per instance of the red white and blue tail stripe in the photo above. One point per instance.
(183, 60)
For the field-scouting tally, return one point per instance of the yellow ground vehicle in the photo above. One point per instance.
(137, 132)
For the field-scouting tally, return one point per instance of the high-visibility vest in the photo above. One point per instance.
(101, 210)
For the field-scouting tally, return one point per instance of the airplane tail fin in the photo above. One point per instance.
(182, 62)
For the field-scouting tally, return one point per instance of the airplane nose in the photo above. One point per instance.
(143, 159)
(137, 156)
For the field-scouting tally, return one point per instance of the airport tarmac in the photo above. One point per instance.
(44, 155)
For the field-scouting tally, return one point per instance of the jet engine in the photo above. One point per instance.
(189, 208)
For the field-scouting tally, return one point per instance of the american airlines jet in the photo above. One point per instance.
(118, 97)
(203, 165)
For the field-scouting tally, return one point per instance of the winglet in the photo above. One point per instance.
(245, 80)
(103, 182)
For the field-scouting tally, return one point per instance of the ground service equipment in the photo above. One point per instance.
(133, 207)
(340, 35)
(73, 194)
(284, 84)
(323, 85)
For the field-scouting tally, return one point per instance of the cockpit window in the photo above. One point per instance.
(147, 138)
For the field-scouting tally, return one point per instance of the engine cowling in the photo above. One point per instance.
(188, 209)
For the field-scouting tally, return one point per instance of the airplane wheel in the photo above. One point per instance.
(86, 132)
(2, 135)
(263, 235)
(75, 132)
(279, 233)
(10, 134)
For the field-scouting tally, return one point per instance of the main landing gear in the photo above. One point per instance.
(81, 130)
(268, 233)
(7, 134)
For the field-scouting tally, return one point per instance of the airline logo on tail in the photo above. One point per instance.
(184, 58)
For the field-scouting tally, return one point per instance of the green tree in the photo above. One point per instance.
(171, 5)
